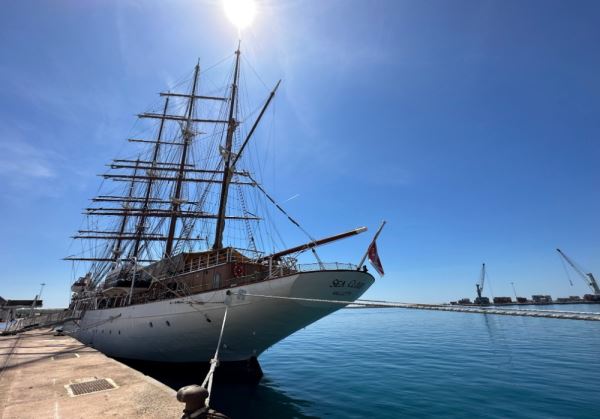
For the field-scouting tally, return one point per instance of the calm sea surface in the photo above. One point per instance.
(392, 363)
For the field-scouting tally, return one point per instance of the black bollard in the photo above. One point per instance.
(194, 397)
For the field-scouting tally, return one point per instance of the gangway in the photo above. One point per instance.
(42, 321)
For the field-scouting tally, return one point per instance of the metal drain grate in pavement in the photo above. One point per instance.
(93, 386)
(65, 356)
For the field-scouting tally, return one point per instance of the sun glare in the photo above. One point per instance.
(240, 12)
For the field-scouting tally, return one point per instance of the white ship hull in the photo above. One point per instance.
(187, 329)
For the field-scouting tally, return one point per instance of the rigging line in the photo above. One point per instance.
(248, 116)
(198, 206)
(91, 248)
(156, 229)
(255, 72)
(244, 101)
(160, 282)
(281, 209)
(228, 79)
(246, 223)
(217, 63)
(272, 235)
(185, 78)
(270, 228)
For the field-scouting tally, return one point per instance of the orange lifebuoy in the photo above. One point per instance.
(237, 270)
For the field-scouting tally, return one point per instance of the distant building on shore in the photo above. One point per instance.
(502, 300)
(541, 299)
(8, 308)
(521, 300)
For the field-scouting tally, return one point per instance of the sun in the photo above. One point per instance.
(240, 12)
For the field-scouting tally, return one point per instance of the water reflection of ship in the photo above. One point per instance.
(253, 398)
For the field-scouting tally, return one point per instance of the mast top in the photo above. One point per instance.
(232, 125)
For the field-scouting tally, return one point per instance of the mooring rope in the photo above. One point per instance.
(438, 307)
(214, 362)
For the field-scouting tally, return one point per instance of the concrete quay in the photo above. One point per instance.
(47, 376)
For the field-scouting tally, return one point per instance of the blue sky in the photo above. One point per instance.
(472, 127)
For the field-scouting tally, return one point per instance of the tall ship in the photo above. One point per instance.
(181, 235)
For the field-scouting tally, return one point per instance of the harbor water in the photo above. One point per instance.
(390, 363)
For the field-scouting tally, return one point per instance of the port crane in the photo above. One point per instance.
(479, 286)
(588, 278)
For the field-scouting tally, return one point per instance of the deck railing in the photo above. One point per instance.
(43, 320)
(204, 261)
(178, 288)
(330, 266)
(283, 266)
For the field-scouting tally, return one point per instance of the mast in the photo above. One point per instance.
(187, 138)
(145, 205)
(142, 218)
(232, 125)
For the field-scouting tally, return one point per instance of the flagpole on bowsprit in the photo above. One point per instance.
(362, 261)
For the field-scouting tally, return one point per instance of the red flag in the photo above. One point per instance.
(374, 258)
